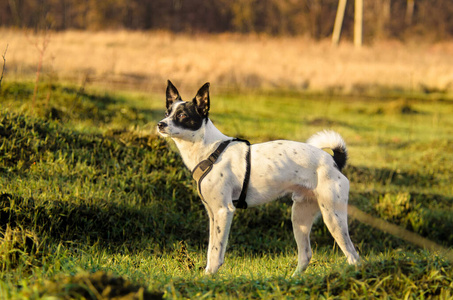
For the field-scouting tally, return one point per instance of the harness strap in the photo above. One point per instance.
(240, 203)
(205, 166)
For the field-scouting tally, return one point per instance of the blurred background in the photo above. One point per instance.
(400, 19)
(237, 44)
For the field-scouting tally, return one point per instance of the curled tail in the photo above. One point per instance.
(333, 143)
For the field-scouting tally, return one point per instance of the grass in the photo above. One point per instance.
(93, 204)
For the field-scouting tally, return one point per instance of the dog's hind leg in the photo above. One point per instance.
(333, 202)
(304, 212)
(218, 237)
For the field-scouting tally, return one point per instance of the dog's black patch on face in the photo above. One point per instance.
(186, 116)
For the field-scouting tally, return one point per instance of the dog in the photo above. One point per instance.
(310, 172)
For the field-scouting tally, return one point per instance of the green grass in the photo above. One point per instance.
(94, 204)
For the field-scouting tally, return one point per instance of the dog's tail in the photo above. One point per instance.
(332, 143)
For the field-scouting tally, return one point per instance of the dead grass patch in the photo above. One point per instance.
(230, 61)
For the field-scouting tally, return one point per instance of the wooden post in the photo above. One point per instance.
(338, 22)
(358, 23)
(409, 11)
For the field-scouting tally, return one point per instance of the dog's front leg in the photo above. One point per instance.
(211, 229)
(220, 225)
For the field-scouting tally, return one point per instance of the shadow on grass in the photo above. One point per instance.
(109, 225)
(70, 222)
(260, 230)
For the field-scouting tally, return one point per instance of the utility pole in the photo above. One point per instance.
(338, 22)
(358, 23)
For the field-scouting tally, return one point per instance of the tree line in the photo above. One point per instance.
(382, 18)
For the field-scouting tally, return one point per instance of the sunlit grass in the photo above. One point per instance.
(101, 193)
(391, 273)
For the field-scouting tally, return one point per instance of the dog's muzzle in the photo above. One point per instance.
(161, 126)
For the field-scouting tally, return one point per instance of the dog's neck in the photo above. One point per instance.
(199, 146)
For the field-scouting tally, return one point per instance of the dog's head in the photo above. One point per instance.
(184, 118)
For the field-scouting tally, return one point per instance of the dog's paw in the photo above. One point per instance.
(300, 270)
(210, 270)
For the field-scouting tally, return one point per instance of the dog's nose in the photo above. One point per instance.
(161, 125)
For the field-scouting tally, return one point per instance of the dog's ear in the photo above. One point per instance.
(201, 100)
(172, 94)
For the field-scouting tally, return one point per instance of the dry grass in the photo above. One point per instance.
(147, 59)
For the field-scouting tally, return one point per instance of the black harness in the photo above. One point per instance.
(205, 166)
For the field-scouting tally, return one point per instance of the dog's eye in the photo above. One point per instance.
(182, 116)
(166, 114)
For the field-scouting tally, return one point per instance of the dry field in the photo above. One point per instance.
(146, 59)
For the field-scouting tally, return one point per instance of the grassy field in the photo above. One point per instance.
(93, 204)
(146, 59)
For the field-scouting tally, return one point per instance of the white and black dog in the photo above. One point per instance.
(258, 174)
